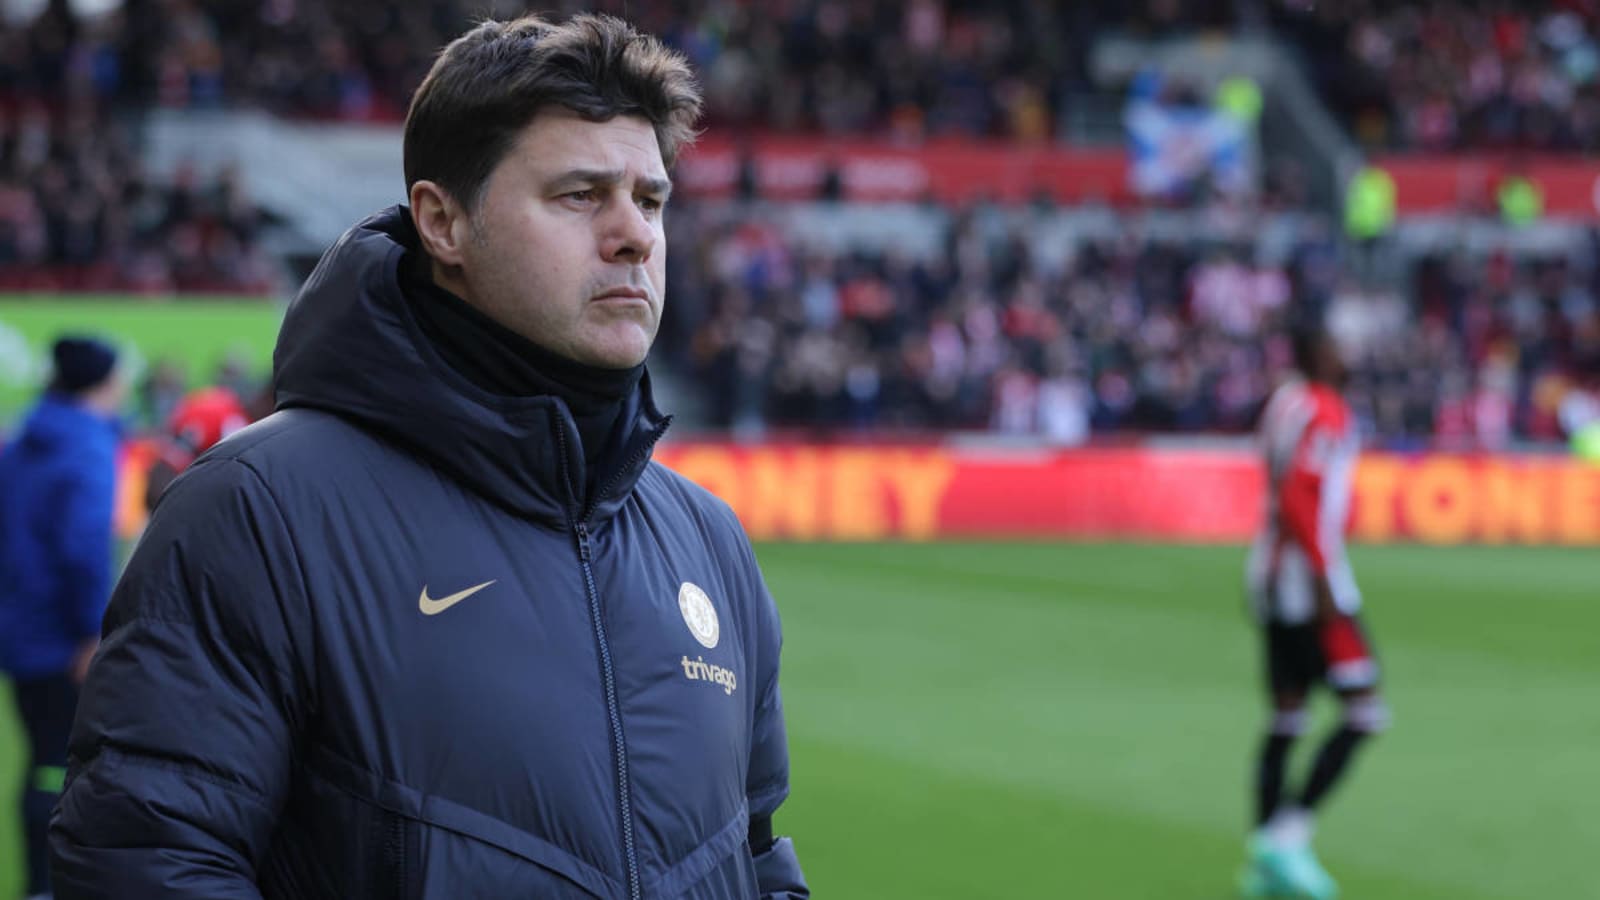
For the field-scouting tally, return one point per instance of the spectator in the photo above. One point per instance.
(1157, 335)
(1455, 75)
(56, 506)
(77, 212)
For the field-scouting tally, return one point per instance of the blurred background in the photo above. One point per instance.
(972, 307)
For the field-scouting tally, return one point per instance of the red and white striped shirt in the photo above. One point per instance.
(1309, 442)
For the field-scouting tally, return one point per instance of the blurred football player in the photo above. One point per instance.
(203, 418)
(1306, 602)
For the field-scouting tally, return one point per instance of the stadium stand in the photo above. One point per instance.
(1116, 331)
(77, 210)
(1455, 75)
(1131, 333)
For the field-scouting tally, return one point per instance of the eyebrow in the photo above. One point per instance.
(608, 177)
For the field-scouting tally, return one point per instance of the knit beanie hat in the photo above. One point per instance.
(81, 362)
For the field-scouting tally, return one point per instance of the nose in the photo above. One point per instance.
(627, 235)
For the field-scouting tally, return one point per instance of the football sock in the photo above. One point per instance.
(1333, 760)
(1274, 759)
(1289, 828)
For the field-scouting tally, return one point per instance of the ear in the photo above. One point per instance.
(442, 223)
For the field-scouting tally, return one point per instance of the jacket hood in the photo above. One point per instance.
(351, 346)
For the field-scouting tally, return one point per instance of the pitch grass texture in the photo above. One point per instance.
(1001, 720)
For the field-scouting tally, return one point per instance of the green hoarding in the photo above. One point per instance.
(195, 334)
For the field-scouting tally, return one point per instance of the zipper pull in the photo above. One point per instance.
(583, 542)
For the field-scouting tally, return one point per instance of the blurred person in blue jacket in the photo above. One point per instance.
(57, 483)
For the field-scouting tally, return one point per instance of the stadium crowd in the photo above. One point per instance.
(1456, 74)
(1443, 75)
(925, 67)
(1448, 74)
(78, 211)
(1131, 333)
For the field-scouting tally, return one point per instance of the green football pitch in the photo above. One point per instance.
(1005, 720)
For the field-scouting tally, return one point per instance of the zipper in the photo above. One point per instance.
(394, 857)
(608, 674)
(633, 459)
(580, 529)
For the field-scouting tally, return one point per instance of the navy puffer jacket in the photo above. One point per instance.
(380, 645)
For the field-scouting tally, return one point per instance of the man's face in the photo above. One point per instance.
(567, 245)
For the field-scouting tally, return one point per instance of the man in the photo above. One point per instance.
(1306, 601)
(56, 504)
(437, 628)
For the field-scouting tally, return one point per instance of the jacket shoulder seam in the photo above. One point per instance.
(146, 617)
(300, 575)
(121, 753)
(240, 455)
(283, 522)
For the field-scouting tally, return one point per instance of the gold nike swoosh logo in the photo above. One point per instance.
(432, 607)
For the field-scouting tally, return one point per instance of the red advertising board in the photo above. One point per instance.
(958, 170)
(1450, 182)
(922, 492)
(869, 493)
(1450, 499)
(950, 171)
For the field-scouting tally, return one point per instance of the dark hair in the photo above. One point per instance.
(1306, 340)
(489, 84)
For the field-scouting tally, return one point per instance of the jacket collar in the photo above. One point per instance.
(351, 346)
